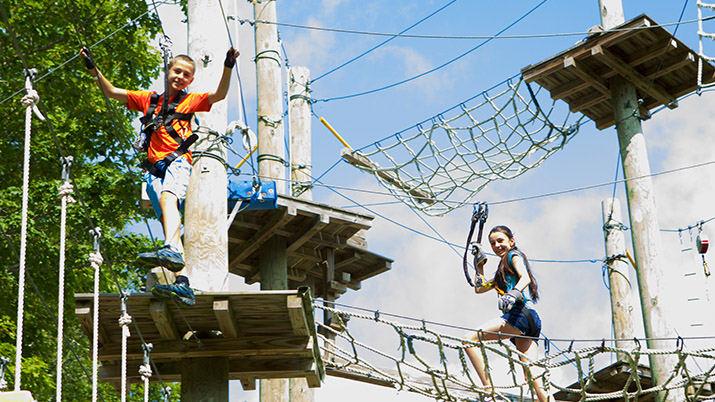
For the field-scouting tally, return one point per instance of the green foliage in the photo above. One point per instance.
(97, 134)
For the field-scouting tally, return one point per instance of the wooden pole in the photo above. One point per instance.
(300, 153)
(300, 132)
(271, 148)
(205, 235)
(272, 261)
(645, 232)
(205, 232)
(618, 276)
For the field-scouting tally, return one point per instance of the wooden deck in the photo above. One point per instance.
(266, 334)
(660, 67)
(310, 229)
(612, 378)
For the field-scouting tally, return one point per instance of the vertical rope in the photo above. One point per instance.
(124, 320)
(96, 260)
(29, 101)
(65, 193)
(145, 369)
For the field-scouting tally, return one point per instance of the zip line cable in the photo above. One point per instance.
(384, 42)
(467, 37)
(319, 183)
(436, 68)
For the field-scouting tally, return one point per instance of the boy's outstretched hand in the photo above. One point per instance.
(231, 56)
(84, 52)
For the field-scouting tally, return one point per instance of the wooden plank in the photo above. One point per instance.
(163, 320)
(586, 74)
(245, 369)
(287, 346)
(676, 64)
(651, 52)
(299, 239)
(647, 87)
(85, 315)
(277, 220)
(225, 317)
(248, 384)
(297, 315)
(348, 261)
(568, 89)
(586, 102)
(359, 160)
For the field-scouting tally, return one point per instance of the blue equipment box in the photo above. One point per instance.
(245, 192)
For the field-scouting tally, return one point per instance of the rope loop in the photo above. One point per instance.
(96, 260)
(66, 190)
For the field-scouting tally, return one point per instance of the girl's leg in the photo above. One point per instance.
(530, 349)
(490, 331)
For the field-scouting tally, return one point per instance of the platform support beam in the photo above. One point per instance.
(645, 231)
(204, 379)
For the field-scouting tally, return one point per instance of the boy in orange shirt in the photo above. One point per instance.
(167, 136)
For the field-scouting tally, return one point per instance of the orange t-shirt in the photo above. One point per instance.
(162, 144)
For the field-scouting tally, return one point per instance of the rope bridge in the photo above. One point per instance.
(444, 161)
(423, 365)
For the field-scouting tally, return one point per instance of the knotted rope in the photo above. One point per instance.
(124, 320)
(65, 192)
(96, 260)
(29, 101)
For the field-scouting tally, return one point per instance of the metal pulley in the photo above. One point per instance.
(701, 243)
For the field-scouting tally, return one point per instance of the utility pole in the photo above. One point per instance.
(618, 278)
(205, 235)
(301, 160)
(645, 231)
(300, 131)
(273, 259)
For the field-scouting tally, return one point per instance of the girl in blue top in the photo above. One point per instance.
(519, 320)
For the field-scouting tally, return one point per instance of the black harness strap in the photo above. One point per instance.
(524, 309)
(480, 214)
(166, 117)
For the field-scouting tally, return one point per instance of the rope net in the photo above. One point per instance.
(708, 9)
(434, 365)
(444, 161)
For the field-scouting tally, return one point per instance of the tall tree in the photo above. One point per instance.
(47, 35)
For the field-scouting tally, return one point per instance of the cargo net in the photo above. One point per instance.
(708, 9)
(440, 164)
(432, 363)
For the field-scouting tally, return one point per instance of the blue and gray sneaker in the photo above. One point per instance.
(179, 290)
(166, 256)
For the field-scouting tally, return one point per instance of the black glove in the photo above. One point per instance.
(230, 58)
(88, 61)
(479, 256)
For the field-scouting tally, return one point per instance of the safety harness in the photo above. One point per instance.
(166, 117)
(480, 214)
(524, 309)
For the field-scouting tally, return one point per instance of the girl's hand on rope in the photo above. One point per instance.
(479, 257)
(231, 56)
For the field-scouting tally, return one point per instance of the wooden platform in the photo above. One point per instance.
(266, 334)
(310, 229)
(661, 67)
(612, 378)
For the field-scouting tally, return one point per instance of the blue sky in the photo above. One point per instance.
(426, 281)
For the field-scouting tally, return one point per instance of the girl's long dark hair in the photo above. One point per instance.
(505, 268)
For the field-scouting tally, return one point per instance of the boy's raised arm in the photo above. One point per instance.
(220, 93)
(107, 88)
